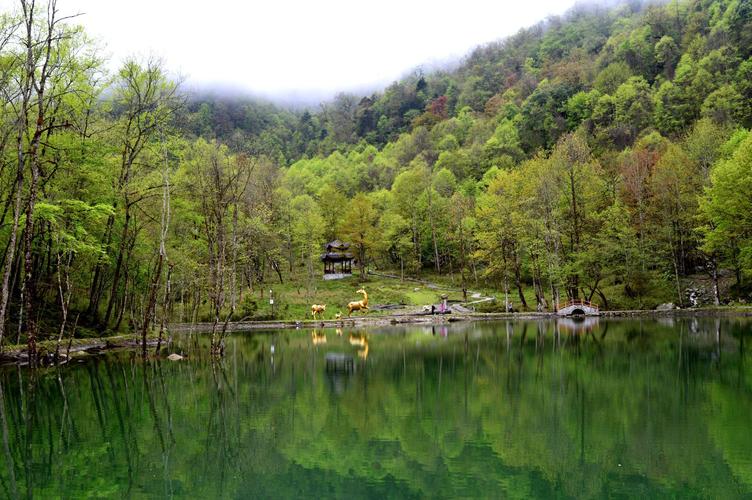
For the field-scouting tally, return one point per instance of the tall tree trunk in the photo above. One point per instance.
(65, 297)
(234, 256)
(433, 233)
(118, 268)
(678, 285)
(10, 253)
(38, 70)
(603, 297)
(151, 302)
(166, 307)
(29, 281)
(518, 280)
(416, 245)
(22, 125)
(716, 286)
(124, 302)
(507, 305)
(540, 294)
(362, 260)
(463, 257)
(95, 293)
(163, 228)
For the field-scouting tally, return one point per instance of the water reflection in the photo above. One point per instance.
(318, 337)
(360, 340)
(524, 409)
(578, 324)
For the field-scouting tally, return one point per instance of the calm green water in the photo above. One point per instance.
(614, 409)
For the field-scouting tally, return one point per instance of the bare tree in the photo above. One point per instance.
(219, 184)
(146, 101)
(41, 48)
(162, 254)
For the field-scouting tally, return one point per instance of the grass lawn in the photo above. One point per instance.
(293, 299)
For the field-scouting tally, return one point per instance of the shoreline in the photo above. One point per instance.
(417, 319)
(16, 355)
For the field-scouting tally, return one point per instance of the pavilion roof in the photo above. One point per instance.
(336, 256)
(337, 245)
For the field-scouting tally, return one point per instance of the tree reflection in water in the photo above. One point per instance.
(533, 409)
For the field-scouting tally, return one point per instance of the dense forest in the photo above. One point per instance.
(602, 155)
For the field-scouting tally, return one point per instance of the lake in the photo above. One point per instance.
(542, 409)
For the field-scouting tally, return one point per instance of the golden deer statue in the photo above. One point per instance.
(317, 309)
(358, 305)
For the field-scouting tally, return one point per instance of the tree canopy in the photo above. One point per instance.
(603, 154)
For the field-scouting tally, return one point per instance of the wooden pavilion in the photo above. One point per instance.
(337, 260)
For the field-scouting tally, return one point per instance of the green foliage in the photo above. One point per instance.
(611, 77)
(72, 224)
(633, 106)
(503, 147)
(599, 154)
(580, 107)
(359, 227)
(727, 208)
(542, 115)
(724, 106)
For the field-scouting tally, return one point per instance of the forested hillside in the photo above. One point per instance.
(603, 155)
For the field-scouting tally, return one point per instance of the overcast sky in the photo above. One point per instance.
(308, 49)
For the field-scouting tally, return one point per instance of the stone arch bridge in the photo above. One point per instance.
(578, 308)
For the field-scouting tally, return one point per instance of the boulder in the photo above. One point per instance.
(668, 306)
